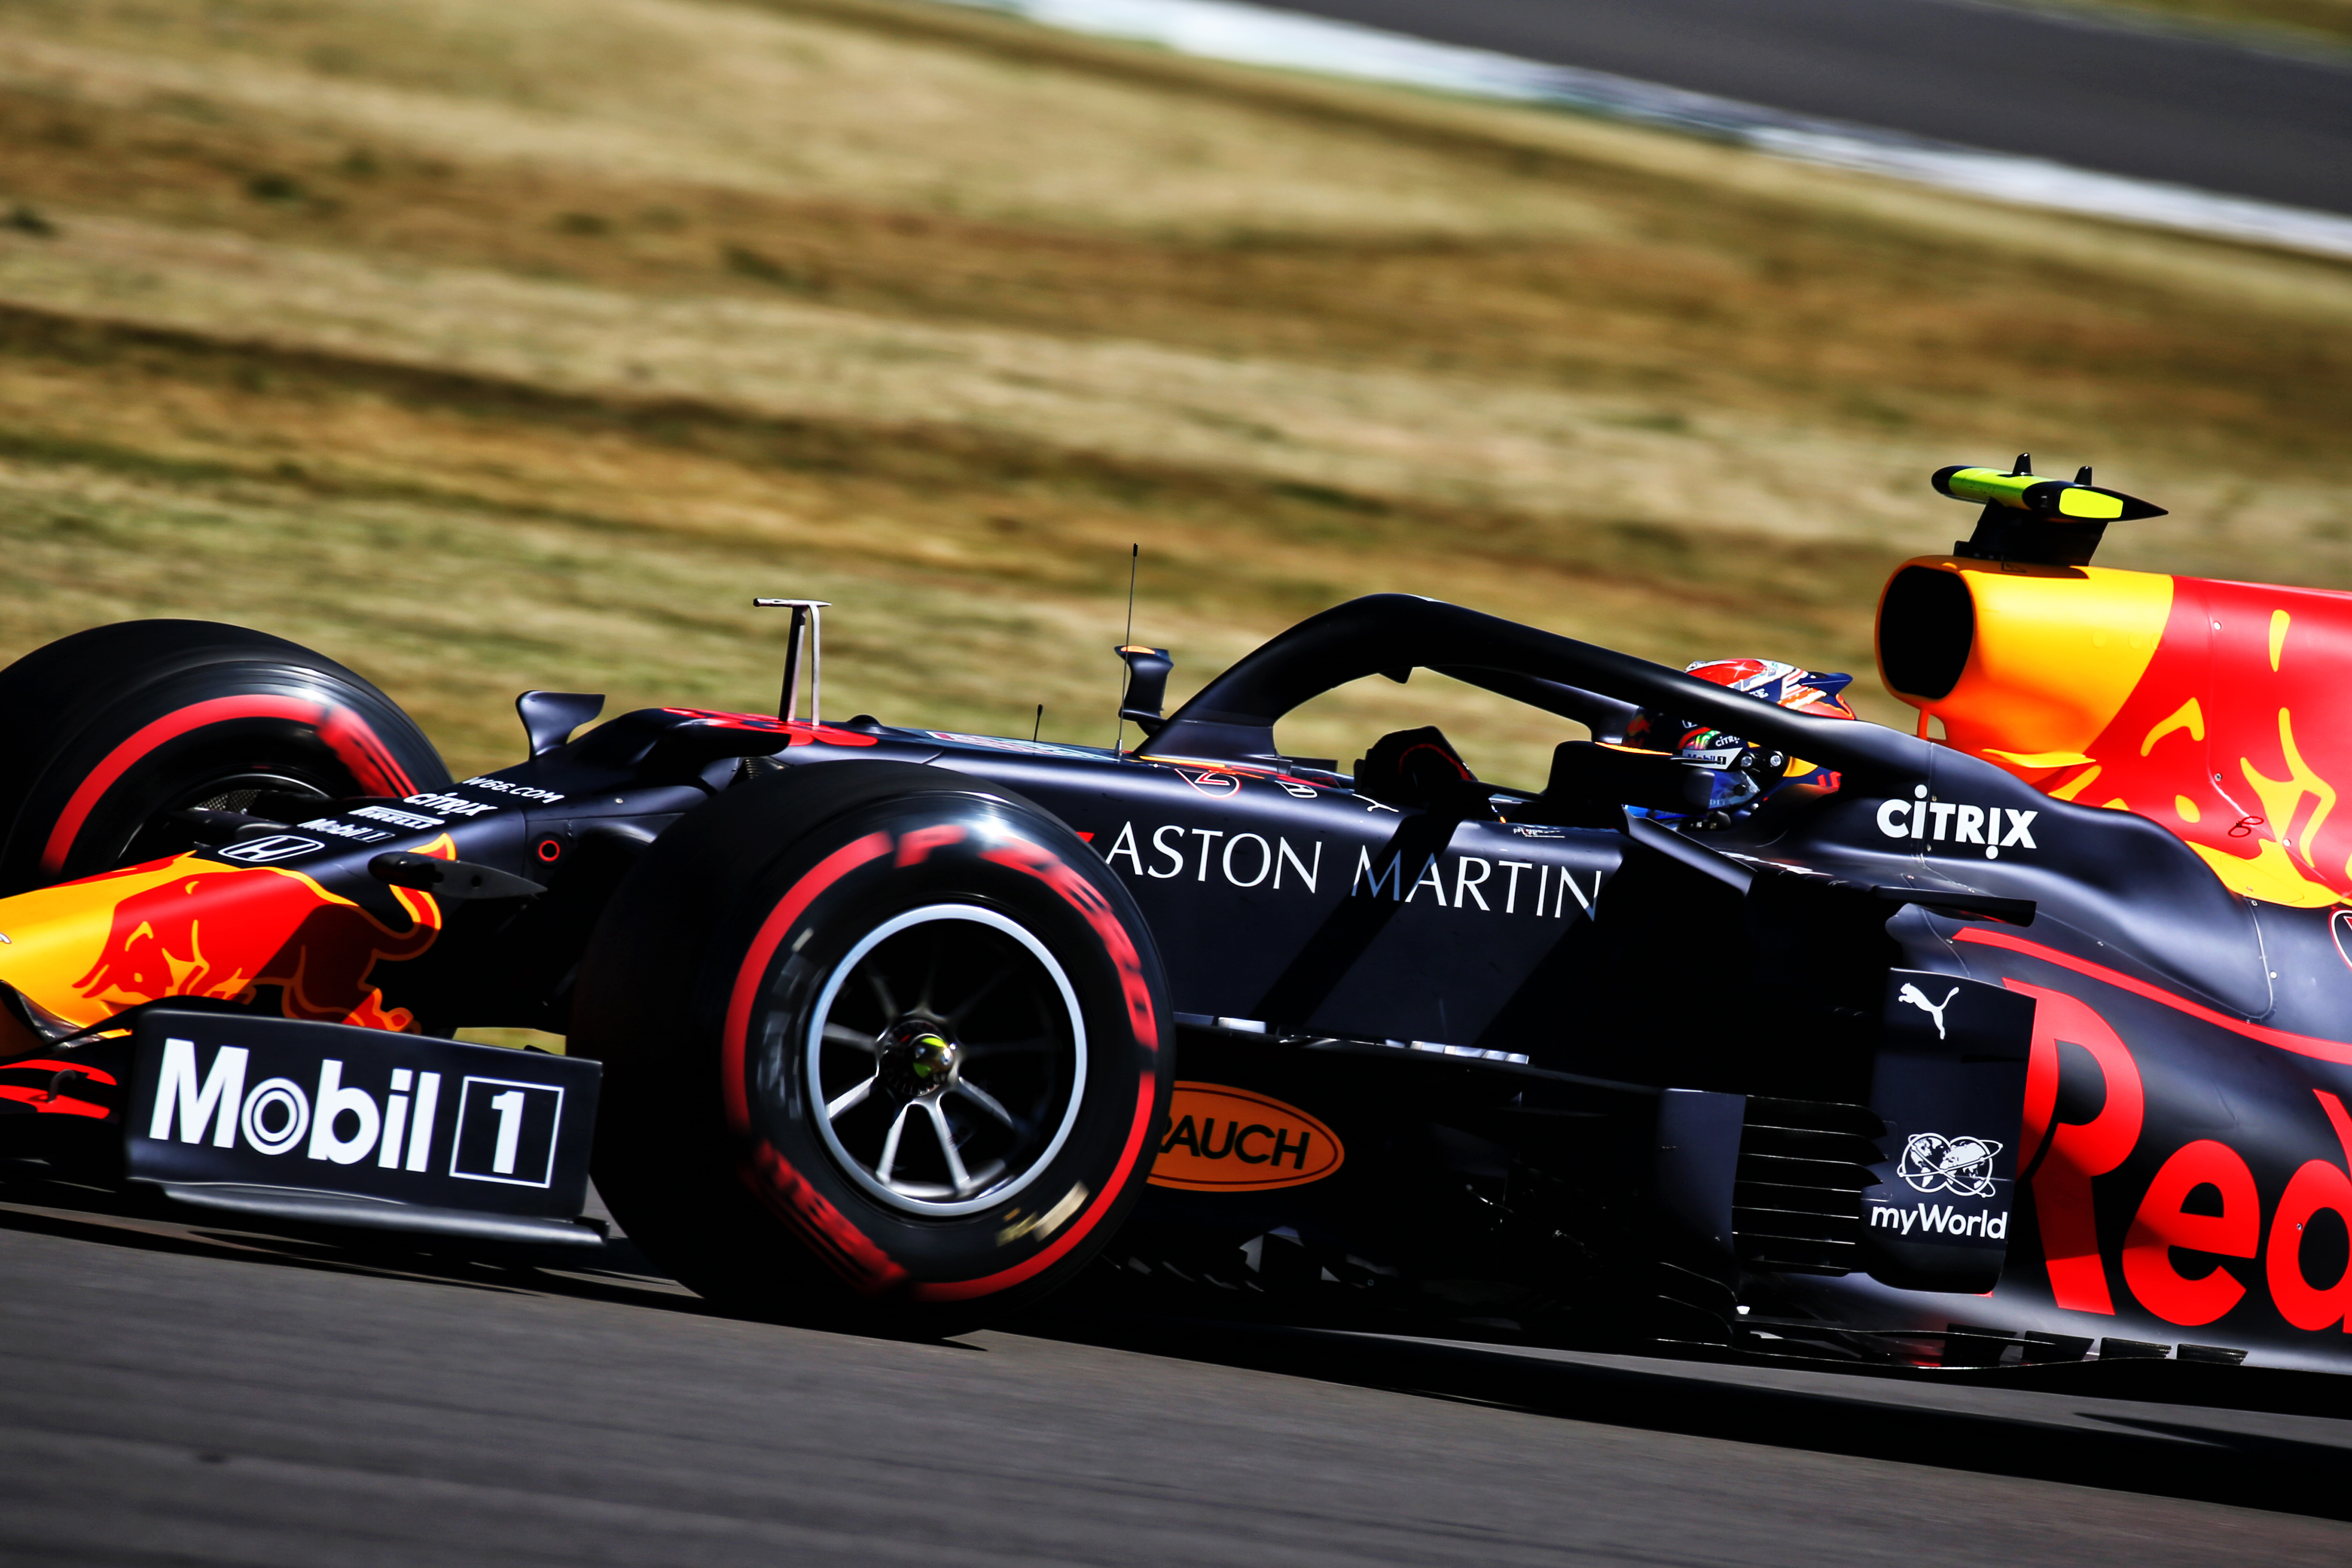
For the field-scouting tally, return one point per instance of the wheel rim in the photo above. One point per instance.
(947, 1059)
(157, 835)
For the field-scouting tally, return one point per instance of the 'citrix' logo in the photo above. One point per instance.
(1942, 821)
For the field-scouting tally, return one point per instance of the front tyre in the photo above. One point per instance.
(112, 731)
(884, 1049)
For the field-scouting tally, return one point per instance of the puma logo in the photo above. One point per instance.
(1918, 998)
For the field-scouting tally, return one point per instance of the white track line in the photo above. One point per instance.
(1253, 35)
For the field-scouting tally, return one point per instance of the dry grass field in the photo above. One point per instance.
(490, 345)
(2323, 22)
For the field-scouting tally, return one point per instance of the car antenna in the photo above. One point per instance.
(1146, 692)
(1118, 730)
(1039, 728)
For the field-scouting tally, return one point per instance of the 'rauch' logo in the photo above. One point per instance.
(1992, 828)
(1233, 1139)
(1932, 1163)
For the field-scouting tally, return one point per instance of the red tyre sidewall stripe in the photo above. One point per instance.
(965, 1290)
(1083, 896)
(1035, 859)
(844, 1249)
(360, 749)
(733, 1038)
(735, 1044)
(344, 733)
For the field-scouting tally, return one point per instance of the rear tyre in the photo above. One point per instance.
(884, 1049)
(113, 730)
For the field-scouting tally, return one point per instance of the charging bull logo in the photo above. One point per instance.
(191, 927)
(2206, 707)
(226, 934)
(1960, 1166)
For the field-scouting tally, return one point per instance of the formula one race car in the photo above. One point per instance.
(1745, 1031)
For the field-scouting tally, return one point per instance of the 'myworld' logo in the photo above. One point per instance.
(1941, 1220)
(1932, 1163)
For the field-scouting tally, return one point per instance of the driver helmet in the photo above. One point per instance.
(1820, 693)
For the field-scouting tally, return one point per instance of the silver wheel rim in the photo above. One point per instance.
(906, 1146)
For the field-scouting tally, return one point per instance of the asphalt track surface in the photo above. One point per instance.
(184, 1394)
(2154, 105)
